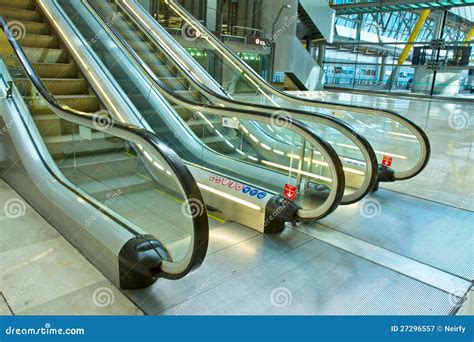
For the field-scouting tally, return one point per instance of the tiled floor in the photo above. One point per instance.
(41, 273)
(449, 176)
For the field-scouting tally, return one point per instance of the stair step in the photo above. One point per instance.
(100, 166)
(185, 113)
(21, 4)
(56, 70)
(175, 83)
(85, 103)
(39, 41)
(189, 94)
(131, 34)
(107, 188)
(57, 86)
(161, 70)
(141, 46)
(20, 14)
(32, 27)
(64, 145)
(45, 55)
(53, 125)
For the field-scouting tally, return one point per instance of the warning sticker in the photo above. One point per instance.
(387, 161)
(290, 192)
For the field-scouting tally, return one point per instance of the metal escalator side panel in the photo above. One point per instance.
(154, 151)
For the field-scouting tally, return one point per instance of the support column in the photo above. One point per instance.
(406, 51)
(383, 62)
(321, 54)
(211, 15)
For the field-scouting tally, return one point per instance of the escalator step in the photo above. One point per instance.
(100, 166)
(106, 188)
(18, 4)
(57, 86)
(43, 55)
(39, 41)
(56, 70)
(20, 14)
(85, 103)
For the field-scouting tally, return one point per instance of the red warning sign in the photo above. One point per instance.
(387, 161)
(290, 192)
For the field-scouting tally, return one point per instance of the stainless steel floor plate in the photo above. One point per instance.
(435, 234)
(301, 272)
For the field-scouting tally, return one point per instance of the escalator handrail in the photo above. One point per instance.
(345, 129)
(409, 124)
(299, 128)
(141, 137)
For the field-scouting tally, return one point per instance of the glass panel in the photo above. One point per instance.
(131, 181)
(178, 82)
(387, 135)
(234, 148)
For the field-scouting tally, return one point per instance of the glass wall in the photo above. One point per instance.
(378, 51)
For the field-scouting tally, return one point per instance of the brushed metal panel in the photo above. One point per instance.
(435, 234)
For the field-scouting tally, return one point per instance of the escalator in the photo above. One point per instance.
(169, 74)
(402, 148)
(242, 183)
(87, 173)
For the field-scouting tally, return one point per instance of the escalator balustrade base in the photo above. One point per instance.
(139, 260)
(279, 211)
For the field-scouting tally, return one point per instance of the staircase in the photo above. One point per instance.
(312, 31)
(100, 165)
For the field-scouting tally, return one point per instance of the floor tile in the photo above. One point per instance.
(101, 298)
(38, 273)
(24, 231)
(4, 309)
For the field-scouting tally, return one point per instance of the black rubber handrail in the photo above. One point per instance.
(136, 135)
